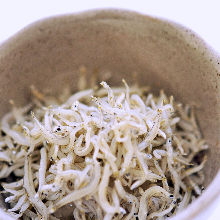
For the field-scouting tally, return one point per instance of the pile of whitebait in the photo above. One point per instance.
(105, 153)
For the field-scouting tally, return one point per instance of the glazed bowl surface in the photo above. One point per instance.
(164, 55)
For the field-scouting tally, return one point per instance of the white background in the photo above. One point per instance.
(202, 16)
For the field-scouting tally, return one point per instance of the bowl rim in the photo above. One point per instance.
(213, 190)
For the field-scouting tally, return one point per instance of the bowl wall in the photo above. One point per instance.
(164, 55)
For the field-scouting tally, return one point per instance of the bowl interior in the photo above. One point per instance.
(164, 56)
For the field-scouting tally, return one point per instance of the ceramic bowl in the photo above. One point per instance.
(164, 55)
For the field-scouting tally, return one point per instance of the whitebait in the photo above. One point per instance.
(109, 153)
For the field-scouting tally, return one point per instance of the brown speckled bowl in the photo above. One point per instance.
(165, 55)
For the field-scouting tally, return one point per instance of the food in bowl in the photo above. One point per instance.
(103, 153)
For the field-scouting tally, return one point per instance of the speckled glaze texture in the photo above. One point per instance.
(164, 55)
